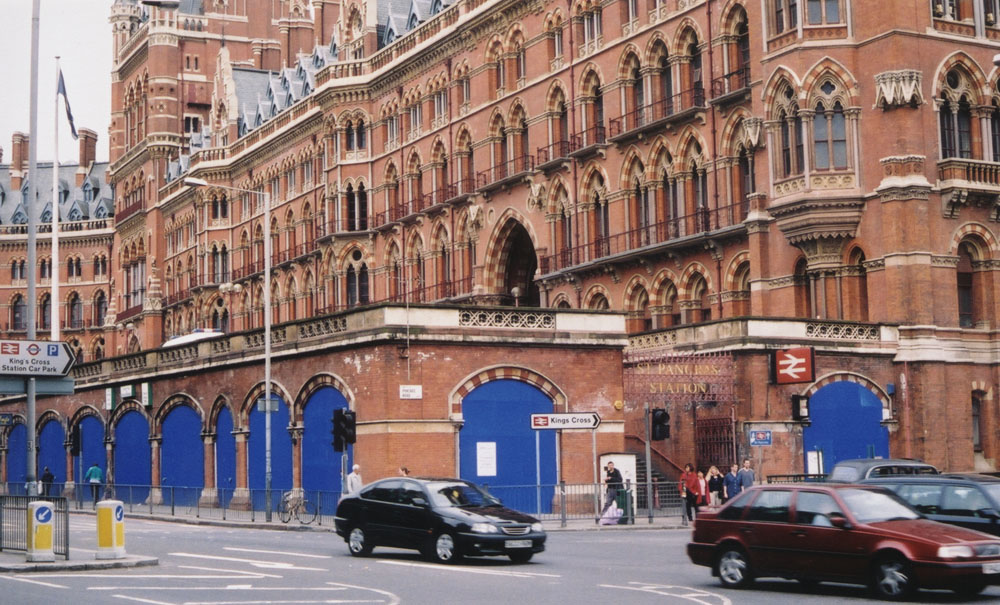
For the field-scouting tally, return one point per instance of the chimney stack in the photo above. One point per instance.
(88, 154)
(18, 160)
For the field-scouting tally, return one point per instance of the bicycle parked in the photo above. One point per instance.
(296, 505)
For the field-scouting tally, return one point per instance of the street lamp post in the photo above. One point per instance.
(195, 182)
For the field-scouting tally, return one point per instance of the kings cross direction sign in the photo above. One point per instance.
(585, 420)
(34, 358)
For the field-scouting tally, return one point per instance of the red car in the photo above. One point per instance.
(841, 533)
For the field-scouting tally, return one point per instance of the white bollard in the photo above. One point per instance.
(40, 531)
(110, 529)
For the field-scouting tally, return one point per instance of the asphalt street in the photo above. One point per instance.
(206, 565)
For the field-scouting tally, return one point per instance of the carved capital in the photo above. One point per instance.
(898, 89)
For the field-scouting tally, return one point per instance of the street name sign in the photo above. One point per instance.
(34, 358)
(584, 420)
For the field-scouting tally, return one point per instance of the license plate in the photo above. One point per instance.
(991, 567)
(517, 543)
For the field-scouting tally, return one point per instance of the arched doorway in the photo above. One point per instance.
(52, 454)
(182, 457)
(320, 464)
(520, 263)
(92, 451)
(17, 459)
(498, 447)
(846, 422)
(132, 458)
(281, 454)
(225, 457)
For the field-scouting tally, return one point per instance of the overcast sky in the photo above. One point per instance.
(78, 31)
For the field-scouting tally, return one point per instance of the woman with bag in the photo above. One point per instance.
(714, 486)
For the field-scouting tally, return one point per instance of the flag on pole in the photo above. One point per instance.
(61, 90)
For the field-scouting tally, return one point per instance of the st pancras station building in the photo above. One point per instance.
(479, 224)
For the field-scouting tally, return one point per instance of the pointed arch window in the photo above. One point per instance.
(792, 159)
(956, 129)
(830, 137)
(995, 131)
(100, 308)
(45, 313)
(967, 311)
(19, 315)
(75, 312)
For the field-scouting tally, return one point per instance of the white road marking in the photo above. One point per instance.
(254, 562)
(252, 574)
(277, 552)
(295, 602)
(137, 599)
(695, 595)
(48, 584)
(142, 576)
(227, 587)
(479, 570)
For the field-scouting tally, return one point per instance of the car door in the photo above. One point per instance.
(822, 550)
(965, 505)
(413, 515)
(380, 502)
(765, 532)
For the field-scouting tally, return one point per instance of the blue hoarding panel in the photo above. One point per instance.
(182, 457)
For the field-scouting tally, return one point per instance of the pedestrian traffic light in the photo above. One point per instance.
(74, 441)
(800, 407)
(659, 424)
(344, 429)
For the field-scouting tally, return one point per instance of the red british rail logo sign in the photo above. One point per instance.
(794, 365)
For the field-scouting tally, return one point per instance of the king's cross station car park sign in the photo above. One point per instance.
(34, 358)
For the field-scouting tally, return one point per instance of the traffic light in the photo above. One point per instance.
(344, 429)
(800, 407)
(74, 441)
(659, 424)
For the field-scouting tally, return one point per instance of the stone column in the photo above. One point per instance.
(241, 495)
(209, 493)
(156, 491)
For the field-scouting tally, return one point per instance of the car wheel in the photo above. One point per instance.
(733, 568)
(358, 544)
(520, 556)
(445, 549)
(892, 578)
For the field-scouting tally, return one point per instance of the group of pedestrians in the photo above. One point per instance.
(716, 489)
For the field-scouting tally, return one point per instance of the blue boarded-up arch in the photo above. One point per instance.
(92, 451)
(132, 457)
(320, 463)
(17, 458)
(281, 453)
(225, 456)
(182, 457)
(498, 447)
(52, 453)
(845, 422)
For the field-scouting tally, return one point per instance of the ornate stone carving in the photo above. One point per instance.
(898, 88)
(843, 331)
(508, 319)
(536, 196)
(751, 133)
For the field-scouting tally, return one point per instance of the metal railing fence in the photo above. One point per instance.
(14, 523)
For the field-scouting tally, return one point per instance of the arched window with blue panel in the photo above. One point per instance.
(17, 456)
(225, 457)
(498, 446)
(91, 451)
(52, 453)
(281, 454)
(182, 457)
(320, 464)
(132, 458)
(845, 422)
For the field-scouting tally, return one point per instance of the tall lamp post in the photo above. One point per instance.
(195, 182)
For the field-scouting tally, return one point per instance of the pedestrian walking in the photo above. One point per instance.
(94, 476)
(690, 490)
(47, 479)
(714, 486)
(354, 482)
(612, 483)
(731, 483)
(746, 475)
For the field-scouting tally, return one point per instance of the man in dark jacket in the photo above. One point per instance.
(730, 484)
(613, 482)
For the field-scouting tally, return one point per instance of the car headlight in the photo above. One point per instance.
(484, 528)
(954, 552)
(536, 527)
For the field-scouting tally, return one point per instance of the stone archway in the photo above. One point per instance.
(519, 265)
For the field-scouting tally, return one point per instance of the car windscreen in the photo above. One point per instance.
(875, 505)
(845, 474)
(993, 489)
(458, 494)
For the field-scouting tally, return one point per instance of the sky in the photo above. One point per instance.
(79, 33)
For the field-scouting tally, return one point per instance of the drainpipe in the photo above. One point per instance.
(711, 78)
(572, 121)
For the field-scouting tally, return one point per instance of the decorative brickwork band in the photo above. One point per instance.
(507, 373)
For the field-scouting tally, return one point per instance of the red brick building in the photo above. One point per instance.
(731, 177)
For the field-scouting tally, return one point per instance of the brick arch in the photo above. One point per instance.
(591, 71)
(506, 372)
(731, 131)
(632, 288)
(688, 28)
(314, 384)
(778, 78)
(516, 113)
(660, 154)
(496, 256)
(129, 405)
(344, 256)
(859, 379)
(18, 420)
(174, 401)
(593, 291)
(221, 403)
(255, 393)
(48, 416)
(659, 288)
(729, 13)
(84, 412)
(975, 229)
(554, 203)
(556, 90)
(625, 58)
(685, 143)
(631, 159)
(827, 67)
(962, 60)
(730, 277)
(688, 277)
(559, 298)
(653, 46)
(440, 231)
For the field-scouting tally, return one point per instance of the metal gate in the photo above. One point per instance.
(715, 442)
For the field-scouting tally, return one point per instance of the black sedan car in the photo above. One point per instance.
(445, 519)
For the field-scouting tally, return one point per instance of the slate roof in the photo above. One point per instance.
(75, 206)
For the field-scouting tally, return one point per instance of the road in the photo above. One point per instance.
(203, 565)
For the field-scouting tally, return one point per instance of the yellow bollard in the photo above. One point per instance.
(110, 529)
(40, 531)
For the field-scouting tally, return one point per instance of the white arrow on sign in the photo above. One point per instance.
(792, 366)
(585, 420)
(34, 358)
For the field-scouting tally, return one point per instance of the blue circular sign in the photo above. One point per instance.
(119, 512)
(43, 514)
